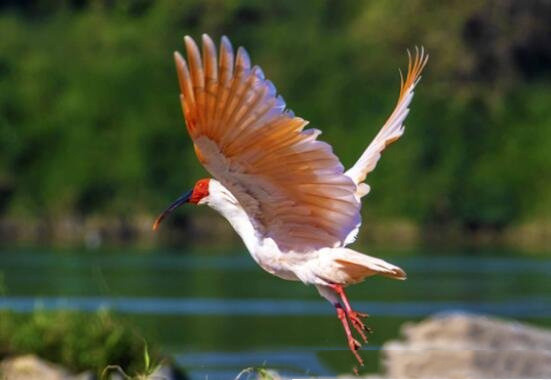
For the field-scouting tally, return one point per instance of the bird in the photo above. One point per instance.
(284, 191)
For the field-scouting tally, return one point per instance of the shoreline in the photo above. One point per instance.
(116, 231)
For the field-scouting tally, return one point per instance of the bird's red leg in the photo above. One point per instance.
(354, 316)
(353, 344)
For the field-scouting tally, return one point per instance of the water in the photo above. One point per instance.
(218, 313)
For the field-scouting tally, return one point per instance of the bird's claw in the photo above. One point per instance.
(355, 318)
(358, 324)
(361, 315)
(354, 346)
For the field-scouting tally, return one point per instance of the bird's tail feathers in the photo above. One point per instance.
(353, 267)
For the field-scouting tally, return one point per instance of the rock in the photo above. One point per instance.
(469, 346)
(30, 367)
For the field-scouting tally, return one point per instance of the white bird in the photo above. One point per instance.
(283, 191)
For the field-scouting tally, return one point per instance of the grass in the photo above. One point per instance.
(148, 370)
(77, 341)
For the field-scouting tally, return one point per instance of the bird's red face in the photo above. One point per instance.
(200, 191)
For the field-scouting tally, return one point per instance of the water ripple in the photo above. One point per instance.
(525, 307)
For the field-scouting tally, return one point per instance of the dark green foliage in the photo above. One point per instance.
(90, 120)
(75, 340)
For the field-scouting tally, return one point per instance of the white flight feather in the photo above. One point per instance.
(392, 130)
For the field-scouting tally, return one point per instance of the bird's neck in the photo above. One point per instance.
(226, 204)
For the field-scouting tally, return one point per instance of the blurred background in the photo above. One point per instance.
(93, 146)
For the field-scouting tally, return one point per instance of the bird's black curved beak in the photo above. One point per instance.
(184, 198)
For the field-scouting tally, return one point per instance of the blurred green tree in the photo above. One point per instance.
(90, 120)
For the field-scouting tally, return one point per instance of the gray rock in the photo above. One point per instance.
(30, 367)
(469, 346)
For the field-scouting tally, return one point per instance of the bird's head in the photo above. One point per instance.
(198, 195)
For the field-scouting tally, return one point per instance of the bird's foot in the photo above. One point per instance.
(354, 316)
(358, 324)
(354, 346)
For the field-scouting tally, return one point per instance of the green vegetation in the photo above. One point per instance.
(90, 123)
(148, 369)
(75, 340)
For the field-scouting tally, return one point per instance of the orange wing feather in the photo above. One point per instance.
(291, 185)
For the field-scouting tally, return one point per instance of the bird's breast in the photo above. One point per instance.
(281, 264)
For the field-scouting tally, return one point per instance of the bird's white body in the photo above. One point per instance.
(262, 249)
(316, 267)
(283, 191)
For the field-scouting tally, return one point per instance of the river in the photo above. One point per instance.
(217, 313)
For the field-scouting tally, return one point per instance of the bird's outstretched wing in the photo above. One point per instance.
(290, 184)
(393, 128)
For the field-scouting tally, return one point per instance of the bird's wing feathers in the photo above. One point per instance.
(393, 128)
(290, 184)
